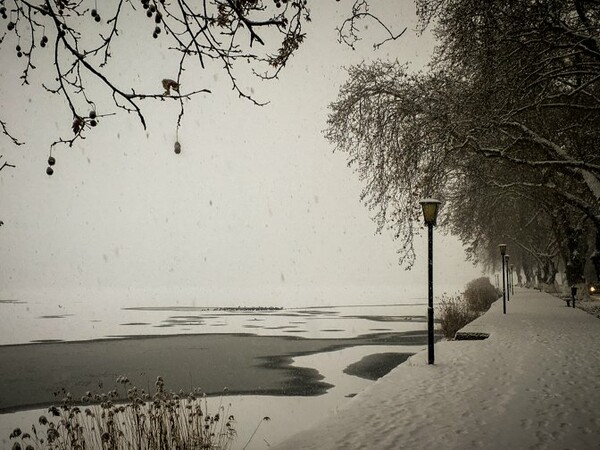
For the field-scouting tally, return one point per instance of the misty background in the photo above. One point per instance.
(256, 210)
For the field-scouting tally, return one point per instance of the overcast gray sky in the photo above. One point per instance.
(255, 210)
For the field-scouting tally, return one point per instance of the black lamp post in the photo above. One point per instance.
(503, 253)
(430, 212)
(507, 279)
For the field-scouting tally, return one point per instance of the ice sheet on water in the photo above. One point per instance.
(36, 322)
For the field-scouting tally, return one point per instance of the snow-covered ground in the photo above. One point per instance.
(592, 307)
(533, 384)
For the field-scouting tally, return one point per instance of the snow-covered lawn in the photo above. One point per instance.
(592, 307)
(533, 384)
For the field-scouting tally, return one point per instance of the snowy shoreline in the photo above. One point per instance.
(531, 384)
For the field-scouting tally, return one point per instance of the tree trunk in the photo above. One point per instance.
(576, 247)
(595, 257)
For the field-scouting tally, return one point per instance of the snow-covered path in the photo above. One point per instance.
(533, 384)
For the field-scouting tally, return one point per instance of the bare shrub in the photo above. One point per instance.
(454, 314)
(480, 294)
(152, 422)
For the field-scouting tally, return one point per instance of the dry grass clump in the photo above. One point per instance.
(480, 294)
(164, 420)
(454, 314)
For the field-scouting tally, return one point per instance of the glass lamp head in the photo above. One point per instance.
(430, 210)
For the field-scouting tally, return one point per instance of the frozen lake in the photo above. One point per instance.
(24, 322)
(288, 415)
(41, 326)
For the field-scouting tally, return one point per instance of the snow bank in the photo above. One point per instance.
(533, 384)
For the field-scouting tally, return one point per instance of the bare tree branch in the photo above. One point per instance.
(201, 29)
(348, 32)
(10, 136)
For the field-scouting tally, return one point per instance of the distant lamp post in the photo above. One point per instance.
(430, 212)
(507, 278)
(503, 253)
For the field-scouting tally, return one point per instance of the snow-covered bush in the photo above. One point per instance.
(454, 314)
(480, 294)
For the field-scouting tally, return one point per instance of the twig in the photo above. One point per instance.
(10, 136)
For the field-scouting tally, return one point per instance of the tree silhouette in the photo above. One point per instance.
(508, 110)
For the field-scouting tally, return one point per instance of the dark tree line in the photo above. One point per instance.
(503, 126)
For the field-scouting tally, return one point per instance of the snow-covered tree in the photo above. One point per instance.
(509, 105)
